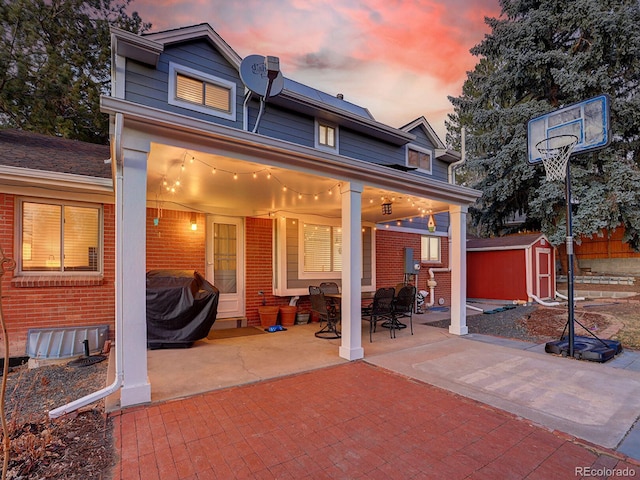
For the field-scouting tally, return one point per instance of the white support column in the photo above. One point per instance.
(351, 347)
(458, 258)
(131, 279)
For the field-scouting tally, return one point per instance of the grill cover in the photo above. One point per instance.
(181, 308)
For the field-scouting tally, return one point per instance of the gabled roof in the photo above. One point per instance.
(442, 152)
(422, 123)
(509, 242)
(53, 154)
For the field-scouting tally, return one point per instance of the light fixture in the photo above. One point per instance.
(194, 222)
(386, 207)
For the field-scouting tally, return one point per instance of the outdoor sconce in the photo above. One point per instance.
(432, 224)
(194, 223)
(386, 207)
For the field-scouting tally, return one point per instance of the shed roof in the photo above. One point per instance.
(35, 151)
(509, 242)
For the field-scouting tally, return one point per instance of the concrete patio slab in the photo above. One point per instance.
(591, 401)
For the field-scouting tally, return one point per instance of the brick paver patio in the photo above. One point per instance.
(348, 422)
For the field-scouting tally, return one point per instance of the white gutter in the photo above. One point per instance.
(454, 165)
(119, 375)
(558, 294)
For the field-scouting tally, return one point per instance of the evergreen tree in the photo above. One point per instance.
(55, 63)
(542, 55)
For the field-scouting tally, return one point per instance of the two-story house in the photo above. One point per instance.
(265, 192)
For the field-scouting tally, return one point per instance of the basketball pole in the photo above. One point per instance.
(569, 244)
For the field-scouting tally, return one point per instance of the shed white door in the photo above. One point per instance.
(225, 263)
(544, 268)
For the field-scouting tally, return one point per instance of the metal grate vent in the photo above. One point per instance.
(45, 343)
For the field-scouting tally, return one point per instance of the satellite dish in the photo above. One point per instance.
(255, 75)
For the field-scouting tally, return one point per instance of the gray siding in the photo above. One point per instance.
(355, 145)
(283, 124)
(150, 86)
(292, 237)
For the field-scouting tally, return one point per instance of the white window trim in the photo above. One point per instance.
(18, 238)
(427, 261)
(302, 275)
(321, 146)
(280, 257)
(175, 69)
(422, 150)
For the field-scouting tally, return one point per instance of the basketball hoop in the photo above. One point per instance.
(555, 153)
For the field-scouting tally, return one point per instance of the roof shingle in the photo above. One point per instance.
(54, 154)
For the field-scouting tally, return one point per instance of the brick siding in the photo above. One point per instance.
(390, 247)
(54, 302)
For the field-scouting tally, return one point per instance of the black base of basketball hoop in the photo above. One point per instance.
(586, 348)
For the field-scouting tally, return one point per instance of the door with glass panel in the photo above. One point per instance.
(225, 263)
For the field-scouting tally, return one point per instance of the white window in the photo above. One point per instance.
(322, 248)
(203, 93)
(430, 249)
(419, 158)
(326, 136)
(59, 237)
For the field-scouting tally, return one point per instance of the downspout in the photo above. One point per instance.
(119, 374)
(463, 153)
(431, 282)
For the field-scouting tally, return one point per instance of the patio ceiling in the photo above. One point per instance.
(190, 179)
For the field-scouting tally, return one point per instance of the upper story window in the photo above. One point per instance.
(430, 249)
(326, 136)
(203, 93)
(59, 237)
(419, 158)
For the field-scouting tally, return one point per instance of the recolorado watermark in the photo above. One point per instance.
(605, 472)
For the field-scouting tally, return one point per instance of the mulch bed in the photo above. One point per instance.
(531, 323)
(76, 446)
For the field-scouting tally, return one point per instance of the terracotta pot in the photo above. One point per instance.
(268, 315)
(288, 315)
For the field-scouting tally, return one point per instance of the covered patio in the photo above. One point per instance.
(154, 149)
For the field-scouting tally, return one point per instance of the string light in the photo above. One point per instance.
(236, 175)
(172, 188)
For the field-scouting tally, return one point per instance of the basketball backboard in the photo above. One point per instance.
(588, 120)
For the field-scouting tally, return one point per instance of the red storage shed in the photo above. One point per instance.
(514, 267)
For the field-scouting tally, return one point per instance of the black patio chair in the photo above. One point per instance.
(381, 309)
(404, 306)
(326, 314)
(329, 288)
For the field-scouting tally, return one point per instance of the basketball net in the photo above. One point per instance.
(555, 153)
